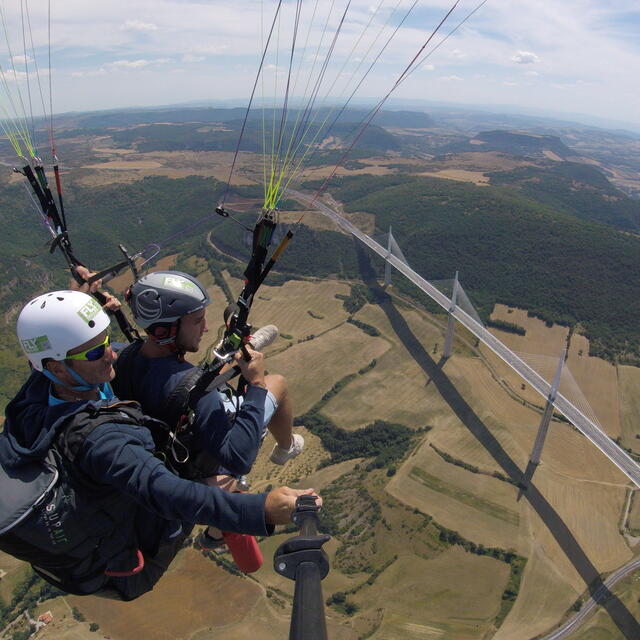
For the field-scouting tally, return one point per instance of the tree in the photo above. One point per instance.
(77, 614)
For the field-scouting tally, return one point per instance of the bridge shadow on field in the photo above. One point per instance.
(619, 613)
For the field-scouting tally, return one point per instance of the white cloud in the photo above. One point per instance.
(450, 78)
(533, 74)
(21, 60)
(120, 65)
(189, 57)
(136, 64)
(211, 49)
(88, 74)
(429, 67)
(525, 57)
(129, 64)
(137, 25)
(10, 77)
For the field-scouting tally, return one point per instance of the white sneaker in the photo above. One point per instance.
(280, 456)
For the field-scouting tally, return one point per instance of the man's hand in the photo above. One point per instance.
(281, 503)
(253, 370)
(112, 303)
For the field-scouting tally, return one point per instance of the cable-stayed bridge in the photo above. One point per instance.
(550, 392)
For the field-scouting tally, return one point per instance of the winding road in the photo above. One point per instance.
(573, 623)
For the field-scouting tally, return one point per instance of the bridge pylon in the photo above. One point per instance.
(387, 264)
(451, 323)
(534, 459)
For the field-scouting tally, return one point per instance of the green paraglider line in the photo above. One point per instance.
(21, 127)
(244, 123)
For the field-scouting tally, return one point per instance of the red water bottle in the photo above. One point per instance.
(245, 551)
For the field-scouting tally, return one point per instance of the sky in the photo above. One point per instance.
(563, 56)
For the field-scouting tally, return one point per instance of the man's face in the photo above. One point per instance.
(95, 371)
(192, 327)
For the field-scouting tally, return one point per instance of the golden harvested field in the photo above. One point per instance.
(598, 381)
(299, 308)
(483, 161)
(552, 156)
(591, 511)
(455, 595)
(396, 389)
(125, 165)
(15, 573)
(371, 169)
(479, 507)
(633, 520)
(475, 177)
(327, 358)
(544, 597)
(171, 164)
(628, 386)
(539, 339)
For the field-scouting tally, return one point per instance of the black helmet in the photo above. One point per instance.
(163, 297)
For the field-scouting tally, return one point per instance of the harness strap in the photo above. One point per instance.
(123, 382)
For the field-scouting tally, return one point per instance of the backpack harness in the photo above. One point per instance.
(45, 516)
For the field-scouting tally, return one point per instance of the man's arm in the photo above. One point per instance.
(119, 455)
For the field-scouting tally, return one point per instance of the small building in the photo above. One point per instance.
(46, 617)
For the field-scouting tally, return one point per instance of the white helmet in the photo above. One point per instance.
(54, 323)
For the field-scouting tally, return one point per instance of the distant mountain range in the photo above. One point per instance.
(513, 142)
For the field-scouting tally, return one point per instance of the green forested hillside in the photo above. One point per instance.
(512, 142)
(99, 218)
(196, 137)
(513, 250)
(578, 189)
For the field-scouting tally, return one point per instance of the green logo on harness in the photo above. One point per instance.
(180, 283)
(89, 310)
(36, 345)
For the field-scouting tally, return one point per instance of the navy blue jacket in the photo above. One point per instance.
(235, 446)
(118, 459)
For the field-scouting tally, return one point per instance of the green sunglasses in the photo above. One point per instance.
(93, 353)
